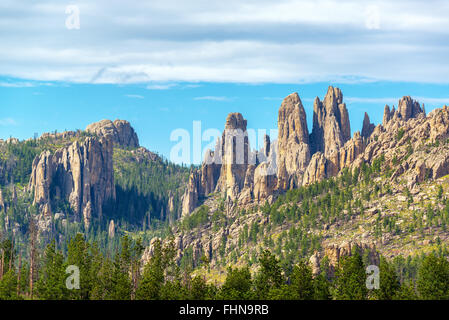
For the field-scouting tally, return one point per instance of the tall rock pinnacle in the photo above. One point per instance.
(293, 141)
(331, 127)
(367, 127)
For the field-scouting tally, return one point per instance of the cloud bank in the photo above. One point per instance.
(255, 41)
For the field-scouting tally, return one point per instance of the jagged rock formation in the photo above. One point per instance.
(235, 155)
(293, 142)
(299, 158)
(80, 173)
(367, 127)
(387, 115)
(409, 108)
(120, 132)
(331, 127)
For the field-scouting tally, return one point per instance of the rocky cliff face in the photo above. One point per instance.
(119, 131)
(81, 173)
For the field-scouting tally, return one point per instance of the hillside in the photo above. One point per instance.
(320, 194)
(98, 181)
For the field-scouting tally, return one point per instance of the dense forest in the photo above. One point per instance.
(121, 276)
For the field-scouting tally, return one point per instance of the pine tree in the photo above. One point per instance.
(389, 284)
(78, 255)
(302, 282)
(238, 285)
(51, 284)
(433, 278)
(153, 276)
(270, 274)
(351, 278)
(8, 286)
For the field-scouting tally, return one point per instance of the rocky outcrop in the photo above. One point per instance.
(387, 115)
(317, 169)
(367, 127)
(331, 127)
(81, 174)
(409, 108)
(235, 155)
(298, 158)
(191, 194)
(111, 229)
(335, 252)
(293, 142)
(119, 131)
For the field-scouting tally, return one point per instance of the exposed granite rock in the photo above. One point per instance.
(120, 131)
(334, 252)
(81, 173)
(367, 127)
(111, 229)
(331, 127)
(293, 142)
(316, 170)
(235, 155)
(409, 108)
(387, 115)
(191, 194)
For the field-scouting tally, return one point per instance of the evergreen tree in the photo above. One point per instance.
(153, 276)
(351, 278)
(433, 278)
(78, 255)
(302, 282)
(51, 284)
(238, 285)
(389, 284)
(269, 276)
(8, 286)
(321, 286)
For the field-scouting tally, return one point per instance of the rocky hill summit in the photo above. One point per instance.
(80, 172)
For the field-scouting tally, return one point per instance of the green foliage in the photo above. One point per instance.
(400, 134)
(144, 184)
(197, 218)
(350, 279)
(433, 278)
(8, 286)
(389, 285)
(302, 282)
(51, 284)
(270, 275)
(238, 285)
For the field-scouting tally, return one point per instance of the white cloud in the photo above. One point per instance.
(135, 96)
(213, 98)
(161, 43)
(165, 86)
(7, 122)
(16, 84)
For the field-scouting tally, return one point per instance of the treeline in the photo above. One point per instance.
(122, 277)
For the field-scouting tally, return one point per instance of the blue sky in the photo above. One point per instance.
(164, 64)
